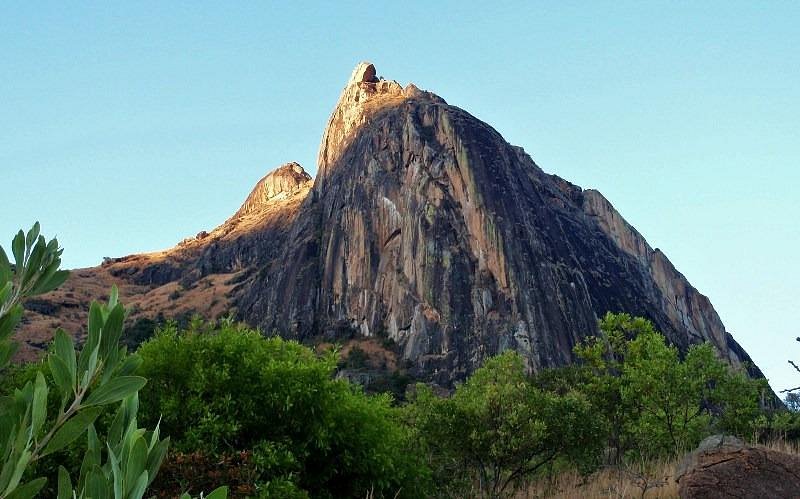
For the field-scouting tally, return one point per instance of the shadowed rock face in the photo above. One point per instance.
(425, 225)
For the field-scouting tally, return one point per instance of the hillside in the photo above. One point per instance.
(423, 227)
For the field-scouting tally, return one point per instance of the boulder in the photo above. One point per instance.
(725, 467)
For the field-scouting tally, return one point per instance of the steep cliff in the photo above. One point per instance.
(425, 226)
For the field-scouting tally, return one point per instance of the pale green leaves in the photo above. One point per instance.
(39, 406)
(35, 271)
(219, 493)
(116, 390)
(86, 382)
(72, 429)
(133, 458)
(28, 490)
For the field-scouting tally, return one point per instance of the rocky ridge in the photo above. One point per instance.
(426, 227)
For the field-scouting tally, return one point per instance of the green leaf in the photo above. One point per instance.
(116, 390)
(7, 350)
(115, 472)
(96, 484)
(117, 426)
(64, 484)
(28, 490)
(10, 461)
(5, 266)
(112, 330)
(156, 457)
(92, 367)
(9, 321)
(110, 364)
(39, 406)
(5, 291)
(135, 464)
(65, 350)
(49, 266)
(113, 298)
(49, 283)
(34, 261)
(130, 364)
(218, 493)
(72, 429)
(91, 458)
(33, 234)
(93, 444)
(140, 487)
(61, 376)
(93, 336)
(18, 248)
(19, 469)
(155, 435)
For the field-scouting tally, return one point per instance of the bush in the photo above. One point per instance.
(230, 390)
(655, 403)
(69, 391)
(498, 430)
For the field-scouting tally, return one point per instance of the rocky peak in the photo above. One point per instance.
(363, 95)
(425, 225)
(282, 183)
(363, 73)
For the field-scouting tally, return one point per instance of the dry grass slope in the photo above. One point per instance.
(614, 483)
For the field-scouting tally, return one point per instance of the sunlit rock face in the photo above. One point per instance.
(424, 225)
(278, 185)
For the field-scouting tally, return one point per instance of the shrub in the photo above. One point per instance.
(655, 403)
(229, 390)
(498, 430)
(82, 384)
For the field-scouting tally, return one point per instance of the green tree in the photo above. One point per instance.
(656, 403)
(498, 429)
(228, 389)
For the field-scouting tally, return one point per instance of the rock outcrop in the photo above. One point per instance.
(425, 226)
(724, 467)
(281, 184)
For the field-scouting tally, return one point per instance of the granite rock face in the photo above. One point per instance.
(424, 225)
(282, 183)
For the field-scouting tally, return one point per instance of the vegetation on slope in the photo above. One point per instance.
(269, 418)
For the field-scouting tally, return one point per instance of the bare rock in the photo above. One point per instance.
(277, 185)
(425, 225)
(363, 73)
(725, 467)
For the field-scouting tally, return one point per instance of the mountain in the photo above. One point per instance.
(423, 226)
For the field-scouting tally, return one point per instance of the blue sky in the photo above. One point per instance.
(129, 126)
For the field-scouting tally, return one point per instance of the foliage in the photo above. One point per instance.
(35, 271)
(227, 390)
(498, 429)
(655, 403)
(83, 383)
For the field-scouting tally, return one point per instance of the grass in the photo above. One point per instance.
(657, 483)
(617, 483)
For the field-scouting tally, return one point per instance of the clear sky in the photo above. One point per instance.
(125, 127)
